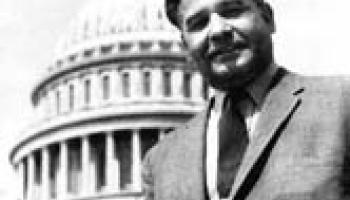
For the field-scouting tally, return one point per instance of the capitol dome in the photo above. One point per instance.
(119, 82)
(110, 22)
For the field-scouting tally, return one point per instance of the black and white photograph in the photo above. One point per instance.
(174, 100)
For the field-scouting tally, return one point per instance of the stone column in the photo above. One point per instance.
(79, 93)
(112, 164)
(197, 86)
(31, 176)
(136, 160)
(93, 163)
(51, 106)
(96, 95)
(64, 92)
(177, 83)
(57, 101)
(45, 176)
(155, 46)
(176, 46)
(20, 174)
(46, 106)
(40, 107)
(85, 165)
(62, 182)
(113, 84)
(157, 82)
(135, 83)
(119, 84)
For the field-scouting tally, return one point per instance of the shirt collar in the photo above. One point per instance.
(217, 100)
(258, 88)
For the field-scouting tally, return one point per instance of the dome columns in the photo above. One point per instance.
(86, 89)
(51, 103)
(31, 175)
(85, 166)
(64, 98)
(156, 83)
(79, 94)
(135, 83)
(95, 89)
(63, 171)
(136, 160)
(115, 81)
(177, 83)
(197, 86)
(20, 178)
(45, 176)
(112, 164)
(41, 177)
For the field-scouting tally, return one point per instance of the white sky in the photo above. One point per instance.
(312, 37)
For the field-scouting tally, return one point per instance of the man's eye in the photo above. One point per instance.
(197, 23)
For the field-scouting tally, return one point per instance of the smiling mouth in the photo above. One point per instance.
(224, 54)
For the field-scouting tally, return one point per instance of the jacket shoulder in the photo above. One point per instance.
(324, 84)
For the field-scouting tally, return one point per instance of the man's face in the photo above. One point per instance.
(229, 39)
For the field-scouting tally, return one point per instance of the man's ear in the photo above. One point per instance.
(268, 15)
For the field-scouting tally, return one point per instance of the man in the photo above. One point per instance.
(268, 134)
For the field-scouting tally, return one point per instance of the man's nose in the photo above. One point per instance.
(220, 32)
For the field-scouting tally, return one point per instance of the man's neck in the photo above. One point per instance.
(259, 87)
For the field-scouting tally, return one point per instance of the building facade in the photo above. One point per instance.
(121, 80)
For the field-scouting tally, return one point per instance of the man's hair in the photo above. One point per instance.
(172, 10)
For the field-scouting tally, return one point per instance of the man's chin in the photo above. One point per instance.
(228, 84)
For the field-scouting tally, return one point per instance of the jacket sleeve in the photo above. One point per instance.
(147, 176)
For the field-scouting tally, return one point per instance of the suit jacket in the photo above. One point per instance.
(301, 152)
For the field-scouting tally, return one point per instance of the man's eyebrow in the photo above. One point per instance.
(195, 16)
(232, 3)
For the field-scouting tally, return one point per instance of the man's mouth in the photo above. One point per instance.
(223, 54)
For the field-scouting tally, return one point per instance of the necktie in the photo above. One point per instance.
(233, 140)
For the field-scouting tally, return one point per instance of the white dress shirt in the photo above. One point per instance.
(249, 107)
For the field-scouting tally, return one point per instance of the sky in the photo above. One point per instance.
(312, 37)
(29, 30)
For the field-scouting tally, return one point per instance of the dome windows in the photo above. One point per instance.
(87, 92)
(58, 102)
(126, 84)
(59, 63)
(146, 83)
(167, 83)
(142, 82)
(125, 46)
(145, 45)
(105, 49)
(72, 58)
(106, 88)
(71, 97)
(88, 53)
(187, 85)
(165, 45)
(74, 165)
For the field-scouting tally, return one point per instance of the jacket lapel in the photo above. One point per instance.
(279, 106)
(189, 170)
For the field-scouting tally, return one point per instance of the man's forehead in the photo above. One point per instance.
(192, 5)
